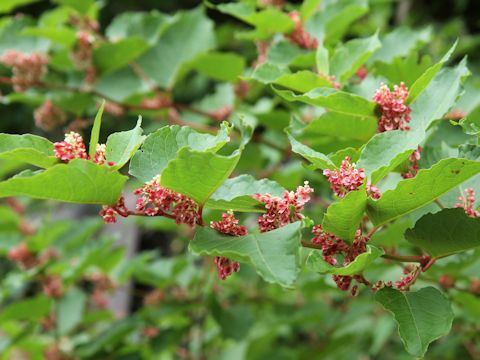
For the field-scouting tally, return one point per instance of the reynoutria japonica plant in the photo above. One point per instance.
(257, 178)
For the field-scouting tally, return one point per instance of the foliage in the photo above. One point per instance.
(294, 151)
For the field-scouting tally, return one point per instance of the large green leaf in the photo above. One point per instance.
(220, 66)
(188, 36)
(79, 181)
(348, 58)
(422, 316)
(424, 188)
(343, 218)
(8, 5)
(81, 6)
(112, 56)
(266, 22)
(236, 194)
(444, 233)
(122, 145)
(28, 309)
(163, 145)
(274, 254)
(335, 101)
(316, 263)
(70, 310)
(30, 149)
(148, 26)
(198, 174)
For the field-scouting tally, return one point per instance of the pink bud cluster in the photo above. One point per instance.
(229, 226)
(156, 200)
(332, 246)
(467, 202)
(410, 276)
(27, 69)
(395, 113)
(22, 255)
(73, 147)
(262, 49)
(276, 3)
(413, 167)
(48, 116)
(299, 36)
(283, 211)
(52, 286)
(347, 178)
(373, 191)
(362, 73)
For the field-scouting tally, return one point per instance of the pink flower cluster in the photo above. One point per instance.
(82, 55)
(109, 213)
(410, 276)
(414, 167)
(283, 211)
(332, 246)
(229, 226)
(299, 36)
(27, 69)
(347, 178)
(395, 114)
(467, 203)
(156, 200)
(73, 147)
(48, 116)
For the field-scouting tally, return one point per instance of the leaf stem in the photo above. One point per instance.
(407, 258)
(439, 203)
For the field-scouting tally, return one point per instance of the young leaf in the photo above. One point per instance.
(422, 316)
(273, 254)
(319, 160)
(343, 218)
(236, 194)
(28, 309)
(198, 174)
(322, 60)
(94, 136)
(122, 145)
(220, 66)
(316, 263)
(348, 58)
(445, 233)
(424, 188)
(30, 149)
(79, 181)
(162, 146)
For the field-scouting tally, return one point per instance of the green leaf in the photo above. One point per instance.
(162, 146)
(11, 37)
(422, 316)
(198, 174)
(319, 160)
(308, 8)
(112, 56)
(188, 36)
(348, 58)
(343, 218)
(445, 233)
(122, 145)
(424, 188)
(95, 134)
(302, 81)
(28, 309)
(322, 60)
(79, 181)
(334, 100)
(409, 39)
(81, 6)
(70, 310)
(236, 194)
(220, 66)
(8, 5)
(422, 82)
(120, 85)
(30, 149)
(148, 26)
(316, 263)
(266, 22)
(273, 254)
(60, 35)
